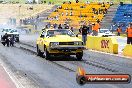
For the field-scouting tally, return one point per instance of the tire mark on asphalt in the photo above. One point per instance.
(67, 68)
(99, 65)
(71, 70)
(56, 63)
(88, 62)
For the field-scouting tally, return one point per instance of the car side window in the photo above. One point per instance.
(43, 34)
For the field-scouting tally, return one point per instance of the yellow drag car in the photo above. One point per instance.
(59, 42)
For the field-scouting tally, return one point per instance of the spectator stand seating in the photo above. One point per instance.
(75, 13)
(123, 16)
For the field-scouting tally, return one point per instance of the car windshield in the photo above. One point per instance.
(6, 30)
(13, 31)
(103, 31)
(52, 33)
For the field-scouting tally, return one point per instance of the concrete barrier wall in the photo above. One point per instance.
(127, 50)
(104, 44)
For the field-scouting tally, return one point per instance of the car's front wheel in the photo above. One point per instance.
(79, 55)
(39, 53)
(46, 54)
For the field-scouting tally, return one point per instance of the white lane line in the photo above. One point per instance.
(12, 77)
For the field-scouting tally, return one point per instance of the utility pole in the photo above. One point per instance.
(19, 12)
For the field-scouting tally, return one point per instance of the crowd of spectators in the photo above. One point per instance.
(69, 12)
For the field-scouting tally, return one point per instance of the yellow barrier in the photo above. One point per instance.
(105, 44)
(127, 50)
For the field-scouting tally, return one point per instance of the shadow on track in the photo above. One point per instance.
(62, 58)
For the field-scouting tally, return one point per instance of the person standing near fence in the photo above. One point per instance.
(129, 34)
(59, 27)
(84, 30)
(95, 28)
(119, 30)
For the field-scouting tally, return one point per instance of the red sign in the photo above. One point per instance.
(105, 44)
(103, 78)
(83, 78)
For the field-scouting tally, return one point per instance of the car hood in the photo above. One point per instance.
(15, 33)
(62, 38)
(5, 32)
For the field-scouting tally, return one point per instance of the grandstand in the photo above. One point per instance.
(84, 1)
(76, 13)
(73, 14)
(123, 16)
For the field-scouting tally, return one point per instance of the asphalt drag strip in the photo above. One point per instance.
(103, 61)
(44, 74)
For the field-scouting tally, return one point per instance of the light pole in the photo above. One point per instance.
(19, 14)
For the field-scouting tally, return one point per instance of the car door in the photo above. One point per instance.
(41, 41)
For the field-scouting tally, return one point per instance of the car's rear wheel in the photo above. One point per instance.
(79, 55)
(39, 53)
(18, 40)
(46, 54)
